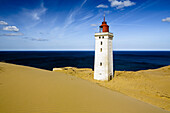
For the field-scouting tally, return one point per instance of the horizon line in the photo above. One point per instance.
(83, 50)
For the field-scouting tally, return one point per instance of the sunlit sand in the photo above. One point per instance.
(151, 86)
(30, 90)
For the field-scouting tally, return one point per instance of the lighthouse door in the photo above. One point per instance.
(110, 75)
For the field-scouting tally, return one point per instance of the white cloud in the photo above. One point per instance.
(10, 28)
(121, 4)
(3, 23)
(94, 25)
(166, 19)
(102, 6)
(13, 34)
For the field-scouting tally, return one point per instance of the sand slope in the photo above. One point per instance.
(151, 86)
(30, 90)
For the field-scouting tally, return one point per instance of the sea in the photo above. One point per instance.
(123, 60)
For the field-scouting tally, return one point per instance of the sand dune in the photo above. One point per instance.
(30, 90)
(151, 86)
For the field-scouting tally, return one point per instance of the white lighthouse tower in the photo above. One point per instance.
(103, 66)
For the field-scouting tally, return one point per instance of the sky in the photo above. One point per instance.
(71, 24)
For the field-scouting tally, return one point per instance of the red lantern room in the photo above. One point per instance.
(104, 27)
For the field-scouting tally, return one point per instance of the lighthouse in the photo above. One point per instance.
(103, 65)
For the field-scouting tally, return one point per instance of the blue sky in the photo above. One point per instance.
(71, 24)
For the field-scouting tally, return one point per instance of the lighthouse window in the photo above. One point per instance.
(103, 37)
(101, 43)
(100, 63)
(100, 49)
(99, 37)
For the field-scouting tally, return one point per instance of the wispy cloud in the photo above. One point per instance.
(38, 39)
(35, 39)
(70, 19)
(127, 25)
(102, 6)
(32, 16)
(3, 23)
(83, 3)
(166, 19)
(37, 13)
(13, 34)
(86, 17)
(107, 12)
(94, 28)
(142, 6)
(10, 28)
(121, 4)
(94, 18)
(94, 25)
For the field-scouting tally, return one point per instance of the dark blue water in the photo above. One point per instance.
(123, 60)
